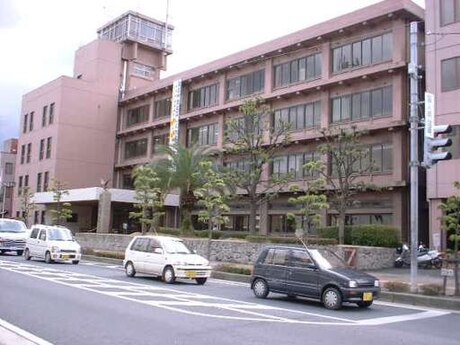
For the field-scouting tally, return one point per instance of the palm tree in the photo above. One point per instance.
(181, 170)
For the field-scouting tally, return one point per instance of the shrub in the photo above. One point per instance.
(431, 289)
(241, 235)
(204, 234)
(396, 286)
(169, 231)
(288, 240)
(332, 232)
(104, 253)
(233, 269)
(375, 235)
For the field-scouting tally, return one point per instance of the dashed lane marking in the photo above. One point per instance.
(198, 304)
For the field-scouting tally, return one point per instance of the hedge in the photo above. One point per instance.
(374, 235)
(289, 240)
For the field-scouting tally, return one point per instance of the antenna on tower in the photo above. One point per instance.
(165, 44)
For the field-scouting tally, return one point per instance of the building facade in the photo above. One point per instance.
(7, 169)
(443, 81)
(110, 117)
(351, 70)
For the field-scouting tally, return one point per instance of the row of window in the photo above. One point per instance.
(204, 135)
(293, 165)
(8, 169)
(47, 118)
(450, 12)
(299, 116)
(305, 68)
(23, 182)
(26, 150)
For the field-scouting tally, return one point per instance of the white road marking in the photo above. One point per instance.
(23, 333)
(185, 302)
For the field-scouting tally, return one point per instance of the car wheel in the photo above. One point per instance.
(365, 304)
(332, 299)
(201, 281)
(398, 264)
(2, 252)
(260, 288)
(75, 262)
(130, 271)
(19, 252)
(48, 259)
(27, 254)
(168, 275)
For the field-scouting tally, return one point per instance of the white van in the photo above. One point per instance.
(52, 243)
(13, 234)
(166, 257)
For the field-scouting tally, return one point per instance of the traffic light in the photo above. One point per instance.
(433, 143)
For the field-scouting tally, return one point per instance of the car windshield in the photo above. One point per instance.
(327, 259)
(176, 247)
(12, 226)
(56, 234)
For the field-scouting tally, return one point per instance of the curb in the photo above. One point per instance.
(102, 259)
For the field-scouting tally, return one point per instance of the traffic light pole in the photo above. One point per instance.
(414, 159)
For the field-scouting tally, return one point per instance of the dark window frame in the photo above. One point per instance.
(245, 85)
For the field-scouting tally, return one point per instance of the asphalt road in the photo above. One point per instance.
(94, 303)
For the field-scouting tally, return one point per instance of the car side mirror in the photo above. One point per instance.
(158, 251)
(194, 251)
(312, 266)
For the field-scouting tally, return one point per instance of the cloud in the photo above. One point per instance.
(9, 15)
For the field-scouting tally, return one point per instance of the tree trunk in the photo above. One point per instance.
(341, 227)
(252, 217)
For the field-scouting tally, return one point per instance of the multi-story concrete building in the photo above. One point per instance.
(351, 70)
(68, 125)
(443, 80)
(347, 71)
(7, 167)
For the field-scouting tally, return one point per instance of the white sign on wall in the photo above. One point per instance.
(175, 111)
(429, 115)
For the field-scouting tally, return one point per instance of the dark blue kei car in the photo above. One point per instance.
(313, 273)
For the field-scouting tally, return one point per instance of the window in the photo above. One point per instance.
(245, 85)
(362, 105)
(136, 148)
(31, 121)
(305, 68)
(29, 152)
(161, 139)
(137, 115)
(276, 257)
(162, 108)
(42, 149)
(450, 74)
(25, 123)
(44, 115)
(23, 153)
(26, 181)
(8, 168)
(142, 70)
(381, 156)
(203, 97)
(51, 117)
(244, 126)
(36, 217)
(242, 165)
(20, 185)
(293, 165)
(39, 182)
(204, 135)
(140, 245)
(127, 181)
(362, 219)
(300, 258)
(42, 236)
(362, 53)
(42, 218)
(450, 12)
(45, 181)
(298, 117)
(34, 233)
(48, 147)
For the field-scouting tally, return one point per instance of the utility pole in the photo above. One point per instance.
(414, 162)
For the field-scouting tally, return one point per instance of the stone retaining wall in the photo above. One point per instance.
(365, 258)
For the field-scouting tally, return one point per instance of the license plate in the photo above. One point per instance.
(367, 296)
(190, 274)
(64, 257)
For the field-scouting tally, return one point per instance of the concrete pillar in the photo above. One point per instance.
(104, 214)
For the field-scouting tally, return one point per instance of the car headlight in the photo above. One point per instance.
(376, 283)
(181, 263)
(352, 284)
(55, 249)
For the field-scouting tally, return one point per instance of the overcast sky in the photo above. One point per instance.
(39, 37)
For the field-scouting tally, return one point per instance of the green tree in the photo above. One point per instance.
(63, 210)
(451, 224)
(312, 200)
(26, 204)
(149, 197)
(181, 170)
(348, 162)
(253, 140)
(213, 197)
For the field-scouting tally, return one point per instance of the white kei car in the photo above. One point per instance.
(13, 234)
(52, 243)
(166, 257)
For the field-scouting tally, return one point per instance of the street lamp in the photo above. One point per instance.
(5, 185)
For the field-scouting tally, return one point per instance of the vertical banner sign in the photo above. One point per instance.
(429, 115)
(175, 110)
